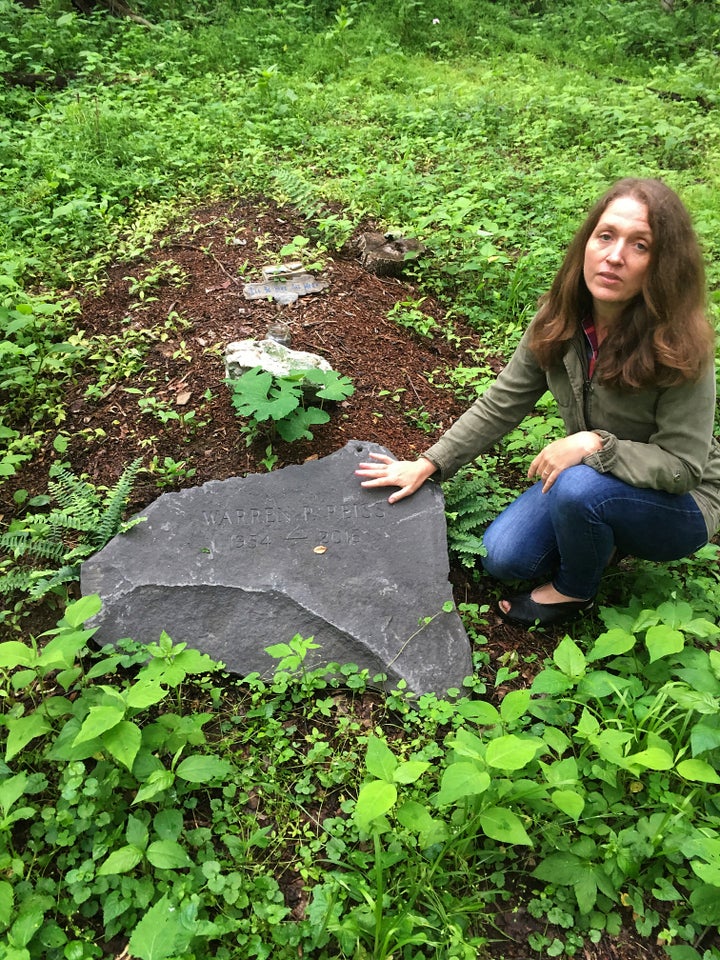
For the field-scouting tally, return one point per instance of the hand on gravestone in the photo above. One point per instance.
(409, 475)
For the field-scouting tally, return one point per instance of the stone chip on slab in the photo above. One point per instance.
(237, 565)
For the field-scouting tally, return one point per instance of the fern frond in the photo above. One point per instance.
(75, 495)
(18, 582)
(60, 521)
(26, 543)
(300, 193)
(82, 523)
(50, 580)
(115, 503)
(473, 498)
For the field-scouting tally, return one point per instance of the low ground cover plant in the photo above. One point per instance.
(149, 799)
(291, 405)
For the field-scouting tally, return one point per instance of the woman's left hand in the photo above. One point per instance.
(561, 454)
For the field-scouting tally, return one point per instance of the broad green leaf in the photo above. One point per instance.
(698, 771)
(565, 869)
(13, 653)
(66, 678)
(64, 747)
(461, 779)
(484, 714)
(706, 847)
(610, 745)
(695, 700)
(654, 758)
(193, 661)
(121, 861)
(511, 752)
(706, 905)
(379, 759)
(103, 667)
(203, 769)
(514, 705)
(21, 679)
(705, 736)
(123, 742)
(7, 900)
(374, 799)
(410, 771)
(168, 855)
(11, 790)
(556, 740)
(414, 816)
(172, 671)
(260, 396)
(708, 872)
(682, 951)
(503, 825)
(278, 650)
(22, 731)
(168, 824)
(144, 694)
(418, 819)
(699, 676)
(569, 658)
(26, 926)
(157, 782)
(664, 890)
(611, 644)
(675, 613)
(586, 892)
(562, 774)
(61, 652)
(137, 834)
(334, 386)
(467, 744)
(714, 657)
(600, 684)
(79, 611)
(296, 426)
(661, 641)
(98, 721)
(551, 683)
(587, 726)
(700, 627)
(571, 803)
(160, 934)
(644, 620)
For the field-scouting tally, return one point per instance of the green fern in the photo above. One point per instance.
(473, 498)
(85, 519)
(294, 188)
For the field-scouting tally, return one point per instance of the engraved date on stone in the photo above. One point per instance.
(250, 540)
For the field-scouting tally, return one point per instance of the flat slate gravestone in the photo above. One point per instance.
(237, 565)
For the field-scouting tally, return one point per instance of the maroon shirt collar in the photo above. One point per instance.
(591, 336)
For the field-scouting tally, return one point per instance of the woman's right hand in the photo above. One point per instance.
(409, 475)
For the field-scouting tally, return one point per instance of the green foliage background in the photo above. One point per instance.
(485, 129)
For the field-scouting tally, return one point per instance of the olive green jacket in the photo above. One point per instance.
(661, 438)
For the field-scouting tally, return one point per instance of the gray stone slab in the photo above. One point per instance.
(284, 290)
(237, 565)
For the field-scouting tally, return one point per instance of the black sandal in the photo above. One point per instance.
(529, 613)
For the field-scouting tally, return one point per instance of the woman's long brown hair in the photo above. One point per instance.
(664, 337)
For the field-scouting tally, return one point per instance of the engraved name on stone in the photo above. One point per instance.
(253, 527)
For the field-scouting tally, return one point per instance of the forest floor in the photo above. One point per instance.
(165, 320)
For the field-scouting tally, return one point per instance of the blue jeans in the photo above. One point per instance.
(568, 534)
